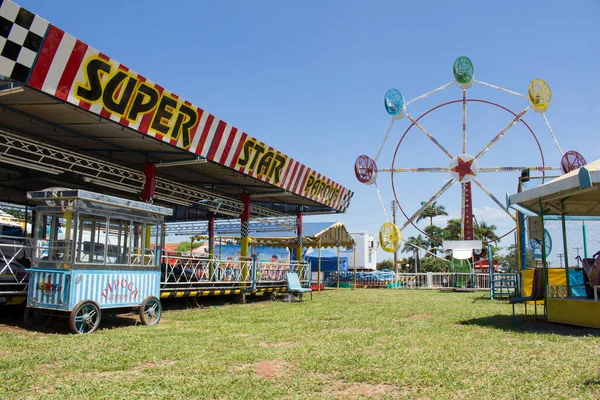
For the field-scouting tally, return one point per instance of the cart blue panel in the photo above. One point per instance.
(49, 288)
(111, 289)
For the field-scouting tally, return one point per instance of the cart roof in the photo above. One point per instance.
(49, 197)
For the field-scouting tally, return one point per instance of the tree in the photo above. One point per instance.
(413, 245)
(509, 262)
(434, 264)
(435, 236)
(431, 211)
(452, 229)
(185, 246)
(385, 264)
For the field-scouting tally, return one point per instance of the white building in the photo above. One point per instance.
(366, 252)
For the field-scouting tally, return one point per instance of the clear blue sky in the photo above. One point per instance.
(308, 78)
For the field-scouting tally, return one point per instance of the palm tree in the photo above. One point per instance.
(435, 237)
(413, 245)
(486, 233)
(432, 210)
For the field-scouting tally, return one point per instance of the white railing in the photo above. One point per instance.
(13, 277)
(441, 280)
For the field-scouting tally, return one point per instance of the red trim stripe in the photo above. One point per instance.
(194, 130)
(45, 57)
(205, 131)
(303, 183)
(216, 140)
(228, 145)
(238, 150)
(68, 77)
(297, 180)
(291, 170)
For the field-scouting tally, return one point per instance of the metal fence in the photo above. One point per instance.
(184, 272)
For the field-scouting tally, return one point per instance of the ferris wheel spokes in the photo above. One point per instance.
(502, 132)
(387, 133)
(494, 199)
(516, 169)
(428, 202)
(552, 133)
(447, 85)
(382, 203)
(438, 144)
(435, 169)
(499, 88)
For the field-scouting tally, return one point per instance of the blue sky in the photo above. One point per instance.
(308, 78)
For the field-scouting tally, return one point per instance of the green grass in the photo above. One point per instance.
(349, 344)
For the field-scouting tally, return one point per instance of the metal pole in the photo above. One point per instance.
(564, 232)
(338, 274)
(354, 248)
(585, 253)
(396, 251)
(491, 270)
(544, 265)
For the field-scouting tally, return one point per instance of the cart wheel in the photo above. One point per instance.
(36, 319)
(150, 311)
(85, 317)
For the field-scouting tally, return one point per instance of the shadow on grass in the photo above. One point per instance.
(522, 324)
(11, 317)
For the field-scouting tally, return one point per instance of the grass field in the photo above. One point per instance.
(350, 344)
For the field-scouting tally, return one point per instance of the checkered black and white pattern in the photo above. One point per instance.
(21, 37)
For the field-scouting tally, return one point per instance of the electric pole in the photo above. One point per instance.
(560, 257)
(395, 252)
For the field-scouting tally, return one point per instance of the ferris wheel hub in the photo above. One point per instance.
(463, 168)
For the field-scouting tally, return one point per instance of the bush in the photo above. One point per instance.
(385, 264)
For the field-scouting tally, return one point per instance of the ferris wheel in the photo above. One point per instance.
(466, 167)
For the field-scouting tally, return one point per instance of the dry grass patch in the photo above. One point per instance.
(345, 390)
(278, 345)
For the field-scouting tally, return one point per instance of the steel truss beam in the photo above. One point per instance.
(232, 226)
(17, 150)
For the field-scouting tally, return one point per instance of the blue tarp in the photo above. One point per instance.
(263, 253)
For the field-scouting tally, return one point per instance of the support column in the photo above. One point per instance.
(244, 234)
(211, 246)
(150, 183)
(299, 242)
(522, 243)
(468, 234)
(319, 269)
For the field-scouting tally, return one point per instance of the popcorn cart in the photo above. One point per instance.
(93, 253)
